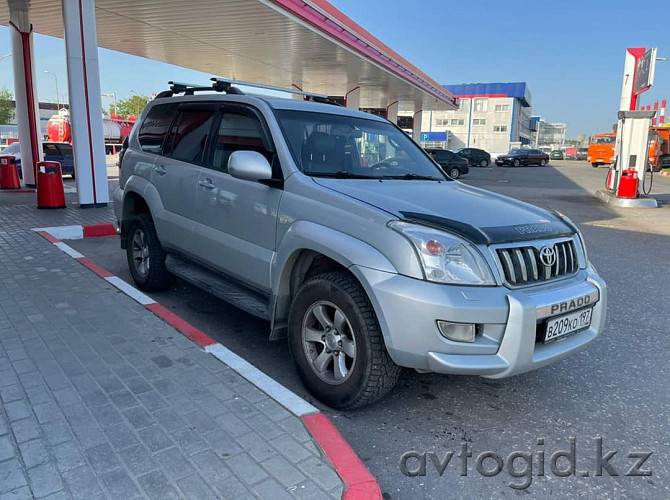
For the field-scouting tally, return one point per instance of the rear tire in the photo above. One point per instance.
(484, 163)
(543, 162)
(454, 173)
(145, 255)
(595, 165)
(341, 381)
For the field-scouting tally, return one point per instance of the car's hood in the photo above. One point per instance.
(481, 215)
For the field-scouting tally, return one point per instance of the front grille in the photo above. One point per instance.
(524, 265)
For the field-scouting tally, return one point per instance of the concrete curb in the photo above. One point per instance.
(359, 483)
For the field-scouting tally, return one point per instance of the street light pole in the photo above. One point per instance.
(57, 93)
(112, 94)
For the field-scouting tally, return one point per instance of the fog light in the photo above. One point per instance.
(458, 332)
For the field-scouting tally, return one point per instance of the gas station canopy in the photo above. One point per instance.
(288, 43)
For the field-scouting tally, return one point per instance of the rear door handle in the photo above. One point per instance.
(206, 183)
(160, 170)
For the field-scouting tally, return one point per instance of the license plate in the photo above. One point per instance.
(568, 323)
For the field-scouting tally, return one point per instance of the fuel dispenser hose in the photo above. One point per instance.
(651, 182)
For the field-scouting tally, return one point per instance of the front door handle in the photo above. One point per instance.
(206, 183)
(160, 170)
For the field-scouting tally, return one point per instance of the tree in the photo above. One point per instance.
(131, 106)
(6, 106)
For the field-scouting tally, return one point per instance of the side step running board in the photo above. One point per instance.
(236, 294)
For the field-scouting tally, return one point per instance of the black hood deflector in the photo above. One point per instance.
(495, 235)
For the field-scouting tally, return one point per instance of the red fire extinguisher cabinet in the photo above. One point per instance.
(50, 192)
(628, 184)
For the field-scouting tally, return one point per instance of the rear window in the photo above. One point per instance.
(65, 149)
(50, 149)
(155, 126)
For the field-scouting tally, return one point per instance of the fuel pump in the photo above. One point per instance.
(625, 184)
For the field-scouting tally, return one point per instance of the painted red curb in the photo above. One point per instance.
(103, 273)
(48, 237)
(193, 333)
(359, 482)
(97, 230)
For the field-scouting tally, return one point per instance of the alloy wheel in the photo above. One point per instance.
(141, 253)
(328, 342)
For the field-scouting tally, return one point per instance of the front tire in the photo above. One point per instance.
(516, 163)
(454, 173)
(484, 163)
(595, 165)
(336, 343)
(145, 255)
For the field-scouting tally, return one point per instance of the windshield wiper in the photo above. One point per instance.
(412, 177)
(342, 174)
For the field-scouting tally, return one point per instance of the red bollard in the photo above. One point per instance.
(9, 173)
(50, 192)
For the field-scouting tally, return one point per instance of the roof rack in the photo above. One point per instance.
(228, 86)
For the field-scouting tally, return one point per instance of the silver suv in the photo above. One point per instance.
(350, 240)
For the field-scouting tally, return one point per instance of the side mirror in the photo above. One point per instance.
(249, 165)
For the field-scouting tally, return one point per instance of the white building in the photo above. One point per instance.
(492, 116)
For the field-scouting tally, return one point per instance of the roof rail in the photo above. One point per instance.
(190, 89)
(227, 85)
(309, 96)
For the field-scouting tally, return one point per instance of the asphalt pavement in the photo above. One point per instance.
(615, 390)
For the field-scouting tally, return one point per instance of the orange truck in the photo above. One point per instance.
(601, 149)
(659, 148)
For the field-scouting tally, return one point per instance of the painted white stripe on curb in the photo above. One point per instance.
(64, 232)
(289, 400)
(69, 250)
(130, 291)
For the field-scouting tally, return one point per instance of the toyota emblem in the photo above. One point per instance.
(548, 256)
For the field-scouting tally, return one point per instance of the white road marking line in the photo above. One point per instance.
(68, 250)
(131, 291)
(288, 399)
(64, 232)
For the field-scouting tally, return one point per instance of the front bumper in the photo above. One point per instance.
(508, 322)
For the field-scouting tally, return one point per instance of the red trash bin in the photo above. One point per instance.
(9, 173)
(50, 192)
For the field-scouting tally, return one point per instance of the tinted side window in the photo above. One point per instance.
(188, 135)
(237, 132)
(154, 127)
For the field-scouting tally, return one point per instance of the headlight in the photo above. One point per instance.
(446, 258)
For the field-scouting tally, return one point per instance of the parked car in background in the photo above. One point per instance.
(53, 151)
(557, 154)
(520, 157)
(570, 153)
(450, 162)
(582, 153)
(475, 156)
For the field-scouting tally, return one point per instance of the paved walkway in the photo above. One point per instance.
(102, 399)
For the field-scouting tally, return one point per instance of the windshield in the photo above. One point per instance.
(12, 149)
(325, 145)
(603, 140)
